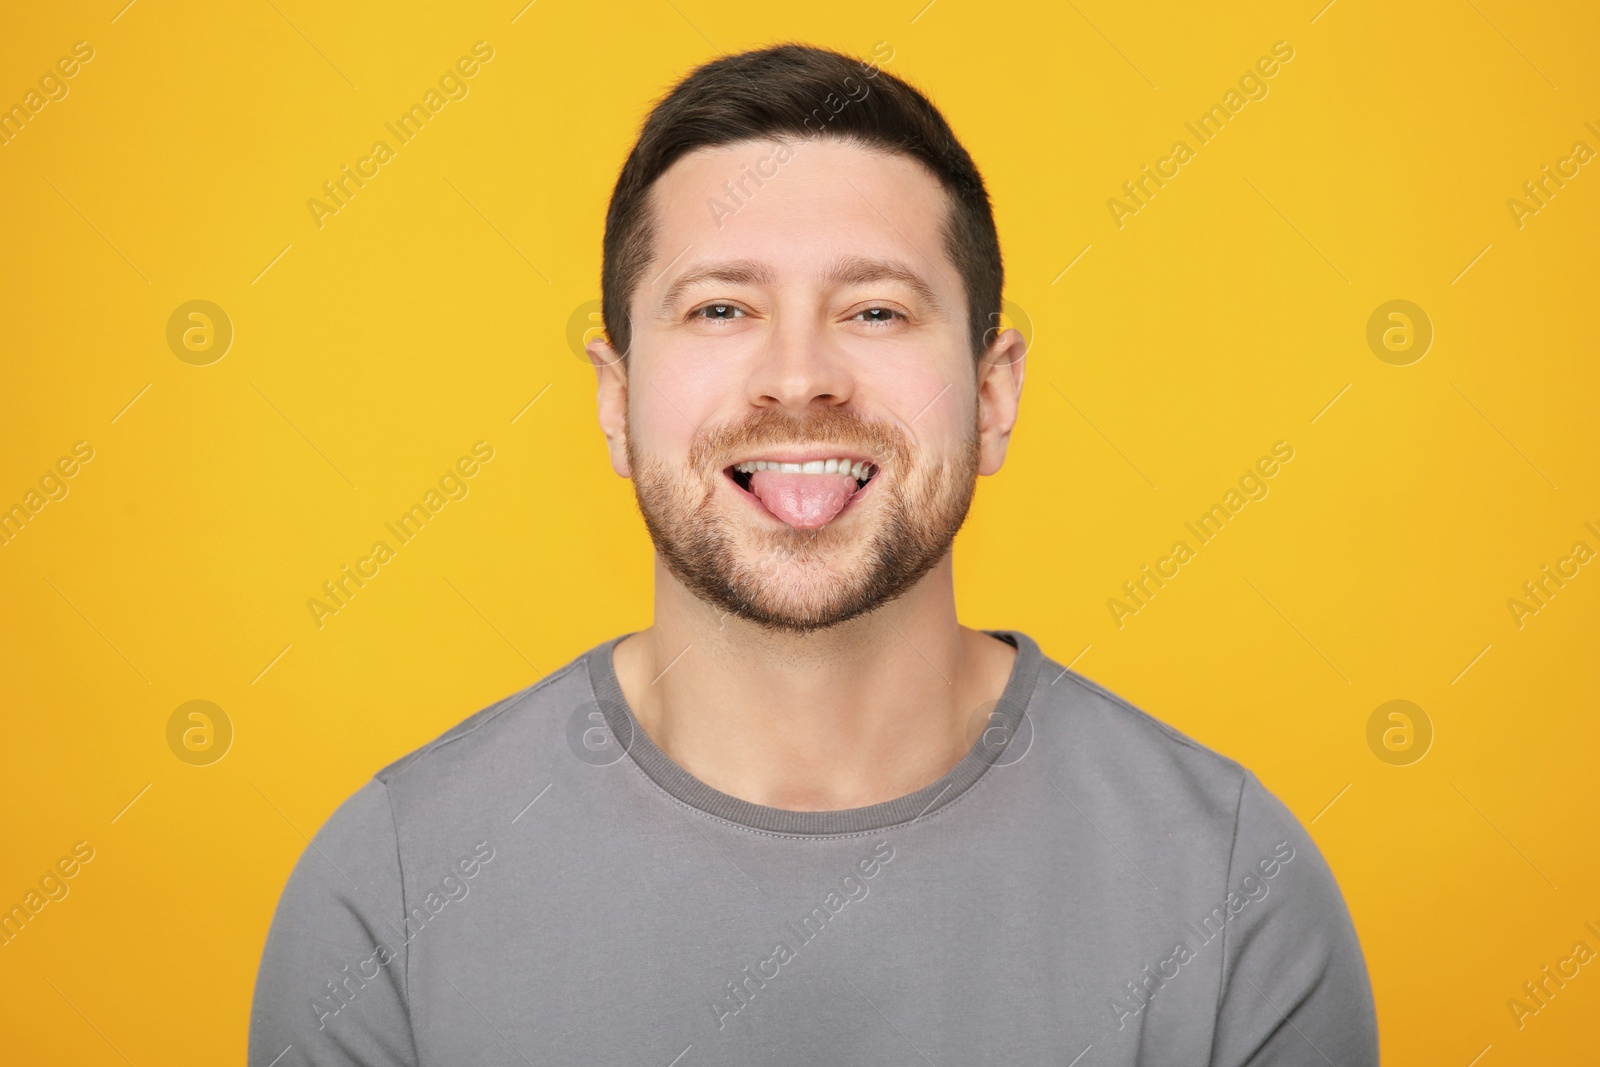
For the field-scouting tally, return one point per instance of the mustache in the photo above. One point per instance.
(887, 444)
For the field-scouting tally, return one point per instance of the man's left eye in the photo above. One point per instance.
(876, 315)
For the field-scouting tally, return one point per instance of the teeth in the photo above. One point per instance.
(858, 469)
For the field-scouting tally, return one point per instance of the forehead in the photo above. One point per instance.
(798, 207)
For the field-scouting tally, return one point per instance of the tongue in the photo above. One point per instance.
(804, 501)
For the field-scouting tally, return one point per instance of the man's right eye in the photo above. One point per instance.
(719, 312)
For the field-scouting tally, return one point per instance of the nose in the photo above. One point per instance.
(799, 366)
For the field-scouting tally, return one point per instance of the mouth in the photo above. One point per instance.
(806, 494)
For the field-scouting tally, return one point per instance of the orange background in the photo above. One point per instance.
(1228, 313)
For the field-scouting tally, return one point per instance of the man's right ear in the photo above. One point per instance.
(612, 401)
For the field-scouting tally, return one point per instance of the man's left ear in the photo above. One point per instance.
(611, 400)
(999, 394)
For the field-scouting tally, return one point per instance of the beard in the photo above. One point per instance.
(801, 581)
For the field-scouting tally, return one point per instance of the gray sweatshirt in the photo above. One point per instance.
(542, 885)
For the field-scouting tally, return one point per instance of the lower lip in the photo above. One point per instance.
(755, 501)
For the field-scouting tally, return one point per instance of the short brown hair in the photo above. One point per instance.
(794, 89)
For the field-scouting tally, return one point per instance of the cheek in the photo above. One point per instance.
(686, 384)
(923, 376)
(936, 412)
(663, 413)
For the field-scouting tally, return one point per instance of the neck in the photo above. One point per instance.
(857, 714)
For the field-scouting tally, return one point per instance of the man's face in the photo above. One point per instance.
(801, 412)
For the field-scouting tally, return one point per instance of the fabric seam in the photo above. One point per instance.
(983, 776)
(509, 702)
(1094, 688)
(1227, 879)
(405, 946)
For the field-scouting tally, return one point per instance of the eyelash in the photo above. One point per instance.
(895, 315)
(698, 312)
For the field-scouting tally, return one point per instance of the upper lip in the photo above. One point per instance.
(805, 455)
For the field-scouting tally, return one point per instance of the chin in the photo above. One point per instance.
(797, 618)
(800, 596)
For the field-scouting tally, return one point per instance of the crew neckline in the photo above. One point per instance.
(1004, 721)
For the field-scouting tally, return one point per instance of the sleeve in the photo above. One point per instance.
(1295, 989)
(332, 982)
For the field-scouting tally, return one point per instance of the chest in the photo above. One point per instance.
(690, 945)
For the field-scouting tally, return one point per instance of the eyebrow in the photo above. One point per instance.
(860, 270)
(731, 272)
(847, 270)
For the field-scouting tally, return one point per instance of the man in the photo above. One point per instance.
(807, 817)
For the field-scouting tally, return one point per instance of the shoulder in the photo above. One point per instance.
(1109, 746)
(1121, 746)
(478, 732)
(1217, 828)
(488, 758)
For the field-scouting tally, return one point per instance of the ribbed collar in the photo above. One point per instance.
(1004, 723)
